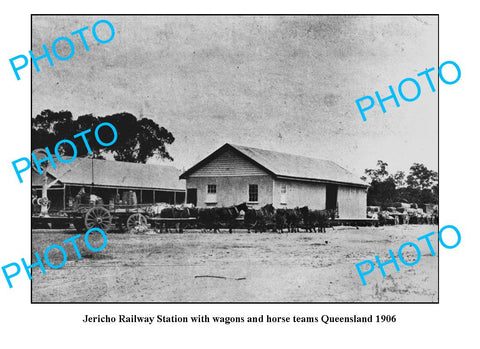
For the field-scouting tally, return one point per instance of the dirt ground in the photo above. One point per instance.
(239, 267)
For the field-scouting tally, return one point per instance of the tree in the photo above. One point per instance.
(421, 177)
(379, 174)
(85, 122)
(382, 186)
(399, 178)
(420, 186)
(138, 140)
(381, 193)
(48, 125)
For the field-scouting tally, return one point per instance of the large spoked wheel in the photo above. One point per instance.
(98, 217)
(136, 220)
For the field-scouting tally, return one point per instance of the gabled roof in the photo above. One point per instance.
(289, 166)
(115, 174)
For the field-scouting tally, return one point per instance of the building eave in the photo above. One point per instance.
(317, 180)
(116, 187)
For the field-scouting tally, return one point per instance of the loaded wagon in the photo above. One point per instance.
(106, 217)
(122, 218)
(128, 216)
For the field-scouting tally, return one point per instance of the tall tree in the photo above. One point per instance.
(138, 140)
(421, 177)
(399, 178)
(379, 174)
(381, 193)
(48, 125)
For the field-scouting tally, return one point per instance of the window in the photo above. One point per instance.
(211, 193)
(253, 192)
(283, 194)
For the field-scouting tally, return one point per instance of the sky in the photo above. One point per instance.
(284, 83)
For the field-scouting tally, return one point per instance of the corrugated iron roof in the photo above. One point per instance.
(118, 174)
(289, 165)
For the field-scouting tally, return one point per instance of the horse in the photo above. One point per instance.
(208, 219)
(294, 218)
(321, 218)
(164, 210)
(307, 217)
(172, 212)
(228, 215)
(315, 220)
(281, 220)
(217, 217)
(260, 219)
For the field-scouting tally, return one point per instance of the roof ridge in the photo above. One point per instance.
(280, 152)
(118, 161)
(306, 163)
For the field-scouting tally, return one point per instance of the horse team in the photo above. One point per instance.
(242, 216)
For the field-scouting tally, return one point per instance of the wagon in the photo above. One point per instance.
(107, 217)
(121, 218)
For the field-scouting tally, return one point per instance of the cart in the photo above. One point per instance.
(107, 217)
(122, 218)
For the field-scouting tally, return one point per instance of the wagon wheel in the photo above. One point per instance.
(98, 217)
(135, 220)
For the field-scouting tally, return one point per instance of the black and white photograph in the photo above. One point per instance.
(235, 158)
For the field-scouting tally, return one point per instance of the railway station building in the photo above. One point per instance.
(109, 179)
(235, 174)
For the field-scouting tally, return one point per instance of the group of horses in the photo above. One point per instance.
(242, 216)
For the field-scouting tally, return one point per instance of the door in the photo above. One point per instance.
(192, 196)
(331, 197)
